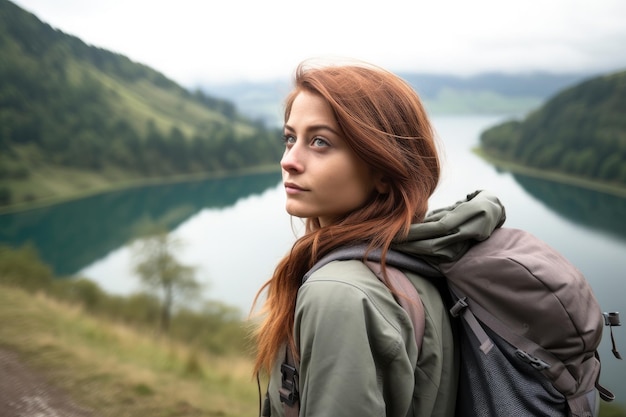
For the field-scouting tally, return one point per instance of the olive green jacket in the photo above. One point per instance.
(358, 355)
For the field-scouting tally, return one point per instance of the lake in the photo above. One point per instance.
(234, 230)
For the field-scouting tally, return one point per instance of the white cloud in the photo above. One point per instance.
(192, 40)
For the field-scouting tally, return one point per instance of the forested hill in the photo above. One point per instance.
(74, 117)
(580, 132)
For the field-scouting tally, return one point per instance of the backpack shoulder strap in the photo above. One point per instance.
(394, 258)
(405, 294)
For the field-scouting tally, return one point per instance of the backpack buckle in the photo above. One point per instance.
(458, 307)
(533, 361)
(289, 385)
(611, 319)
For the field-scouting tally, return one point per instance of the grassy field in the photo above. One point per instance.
(118, 372)
(141, 100)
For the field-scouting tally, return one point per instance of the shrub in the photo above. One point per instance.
(23, 268)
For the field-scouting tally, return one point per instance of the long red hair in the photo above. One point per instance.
(384, 122)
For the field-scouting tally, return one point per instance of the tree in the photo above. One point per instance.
(163, 274)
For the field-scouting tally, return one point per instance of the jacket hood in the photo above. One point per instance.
(447, 233)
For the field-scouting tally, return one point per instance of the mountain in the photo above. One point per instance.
(579, 132)
(75, 118)
(489, 93)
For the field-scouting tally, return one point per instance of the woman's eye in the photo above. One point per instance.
(319, 142)
(289, 139)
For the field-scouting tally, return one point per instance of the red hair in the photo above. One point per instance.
(384, 122)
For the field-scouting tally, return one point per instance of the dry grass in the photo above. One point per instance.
(117, 371)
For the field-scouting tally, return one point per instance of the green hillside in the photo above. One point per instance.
(579, 133)
(75, 118)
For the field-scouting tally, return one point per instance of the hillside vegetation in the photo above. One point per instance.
(75, 118)
(106, 352)
(116, 371)
(579, 133)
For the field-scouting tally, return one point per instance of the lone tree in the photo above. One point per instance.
(163, 274)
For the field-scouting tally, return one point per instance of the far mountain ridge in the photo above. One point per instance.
(484, 93)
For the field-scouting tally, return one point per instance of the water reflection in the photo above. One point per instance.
(599, 211)
(72, 235)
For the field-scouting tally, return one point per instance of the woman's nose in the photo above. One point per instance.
(292, 159)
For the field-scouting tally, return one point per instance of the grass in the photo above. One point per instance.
(117, 371)
(141, 101)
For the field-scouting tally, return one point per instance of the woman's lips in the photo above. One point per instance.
(291, 188)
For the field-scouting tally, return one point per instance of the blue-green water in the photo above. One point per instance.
(73, 235)
(235, 229)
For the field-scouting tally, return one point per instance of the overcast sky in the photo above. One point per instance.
(193, 41)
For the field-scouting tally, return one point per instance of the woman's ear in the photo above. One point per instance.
(381, 183)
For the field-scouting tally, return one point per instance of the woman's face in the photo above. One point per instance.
(323, 177)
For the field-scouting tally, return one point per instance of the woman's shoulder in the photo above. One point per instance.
(350, 277)
(346, 298)
(349, 289)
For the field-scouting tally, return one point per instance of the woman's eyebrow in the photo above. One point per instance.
(314, 128)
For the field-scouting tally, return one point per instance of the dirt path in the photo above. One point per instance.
(25, 393)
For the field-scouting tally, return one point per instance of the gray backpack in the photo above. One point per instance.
(529, 330)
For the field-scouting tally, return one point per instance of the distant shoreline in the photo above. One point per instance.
(552, 175)
(504, 165)
(123, 185)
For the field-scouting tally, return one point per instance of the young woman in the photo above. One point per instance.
(360, 164)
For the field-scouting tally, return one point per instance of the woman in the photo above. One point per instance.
(360, 164)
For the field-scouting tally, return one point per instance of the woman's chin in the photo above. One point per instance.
(294, 210)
